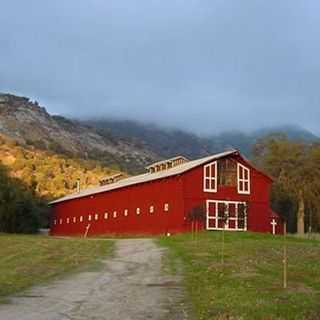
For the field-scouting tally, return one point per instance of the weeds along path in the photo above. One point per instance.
(131, 285)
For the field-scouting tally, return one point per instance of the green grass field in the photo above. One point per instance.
(248, 285)
(27, 260)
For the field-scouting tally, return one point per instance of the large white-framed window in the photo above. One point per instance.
(210, 177)
(243, 178)
(226, 215)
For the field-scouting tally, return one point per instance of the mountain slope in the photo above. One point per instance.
(30, 124)
(168, 143)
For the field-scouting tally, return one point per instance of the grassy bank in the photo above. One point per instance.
(28, 260)
(248, 285)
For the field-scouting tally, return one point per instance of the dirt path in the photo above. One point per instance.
(130, 286)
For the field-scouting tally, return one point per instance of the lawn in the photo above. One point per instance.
(26, 260)
(248, 285)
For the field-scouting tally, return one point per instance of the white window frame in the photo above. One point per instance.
(210, 178)
(216, 217)
(74, 219)
(166, 207)
(106, 215)
(68, 220)
(243, 180)
(114, 214)
(81, 218)
(138, 211)
(151, 209)
(96, 217)
(125, 212)
(89, 217)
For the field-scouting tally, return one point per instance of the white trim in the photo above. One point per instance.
(210, 178)
(243, 180)
(166, 207)
(151, 209)
(81, 218)
(216, 218)
(96, 216)
(114, 214)
(125, 213)
(106, 215)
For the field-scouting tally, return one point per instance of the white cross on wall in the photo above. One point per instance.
(274, 224)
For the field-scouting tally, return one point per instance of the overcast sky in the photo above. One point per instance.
(203, 65)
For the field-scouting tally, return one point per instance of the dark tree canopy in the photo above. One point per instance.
(20, 210)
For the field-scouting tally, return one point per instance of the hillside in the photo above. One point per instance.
(30, 124)
(48, 174)
(170, 142)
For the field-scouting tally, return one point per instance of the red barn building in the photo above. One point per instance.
(234, 195)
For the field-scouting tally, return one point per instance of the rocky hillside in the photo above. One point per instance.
(30, 124)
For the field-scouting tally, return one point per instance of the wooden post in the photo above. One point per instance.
(285, 256)
(222, 248)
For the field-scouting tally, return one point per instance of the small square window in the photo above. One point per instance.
(125, 212)
(68, 220)
(138, 210)
(114, 214)
(106, 215)
(96, 216)
(166, 207)
(89, 217)
(151, 209)
(81, 218)
(74, 219)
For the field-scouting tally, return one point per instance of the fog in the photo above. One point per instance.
(204, 66)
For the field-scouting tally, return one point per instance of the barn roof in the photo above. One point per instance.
(146, 177)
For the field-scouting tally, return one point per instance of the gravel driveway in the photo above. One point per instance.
(129, 286)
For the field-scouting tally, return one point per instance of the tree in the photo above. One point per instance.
(197, 216)
(18, 208)
(296, 169)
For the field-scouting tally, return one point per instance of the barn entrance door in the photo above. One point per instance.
(227, 215)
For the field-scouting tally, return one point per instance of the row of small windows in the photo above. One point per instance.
(95, 217)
